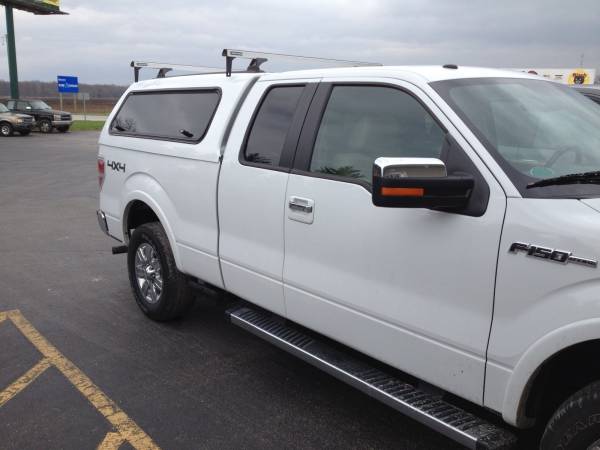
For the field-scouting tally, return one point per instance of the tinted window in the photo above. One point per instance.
(271, 124)
(363, 123)
(180, 115)
(22, 105)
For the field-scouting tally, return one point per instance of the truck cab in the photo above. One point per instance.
(440, 221)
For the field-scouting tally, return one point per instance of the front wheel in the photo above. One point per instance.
(45, 126)
(576, 423)
(6, 129)
(160, 290)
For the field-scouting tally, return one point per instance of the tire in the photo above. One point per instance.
(6, 129)
(45, 126)
(63, 129)
(148, 246)
(25, 133)
(576, 423)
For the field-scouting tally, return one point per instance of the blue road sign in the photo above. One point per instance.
(67, 84)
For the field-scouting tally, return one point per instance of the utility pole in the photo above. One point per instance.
(12, 52)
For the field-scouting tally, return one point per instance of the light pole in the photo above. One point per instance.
(12, 52)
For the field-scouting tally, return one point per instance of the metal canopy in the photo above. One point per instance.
(33, 6)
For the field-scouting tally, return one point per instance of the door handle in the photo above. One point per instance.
(300, 205)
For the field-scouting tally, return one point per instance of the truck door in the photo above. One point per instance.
(411, 287)
(251, 194)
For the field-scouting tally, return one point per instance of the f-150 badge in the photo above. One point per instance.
(119, 167)
(551, 254)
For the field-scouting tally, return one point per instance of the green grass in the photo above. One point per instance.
(87, 125)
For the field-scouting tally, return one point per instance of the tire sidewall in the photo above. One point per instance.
(576, 423)
(147, 234)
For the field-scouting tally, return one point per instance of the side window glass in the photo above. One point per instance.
(10, 104)
(22, 105)
(363, 123)
(179, 115)
(271, 123)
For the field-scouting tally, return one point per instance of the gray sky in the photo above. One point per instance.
(99, 38)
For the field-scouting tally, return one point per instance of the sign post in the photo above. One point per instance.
(84, 96)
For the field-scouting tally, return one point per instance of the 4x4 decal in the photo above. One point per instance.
(551, 254)
(114, 165)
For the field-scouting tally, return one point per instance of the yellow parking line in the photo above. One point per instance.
(125, 427)
(112, 441)
(25, 380)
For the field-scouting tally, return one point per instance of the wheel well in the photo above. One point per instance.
(559, 377)
(138, 213)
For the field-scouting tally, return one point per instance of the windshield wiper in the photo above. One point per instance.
(572, 178)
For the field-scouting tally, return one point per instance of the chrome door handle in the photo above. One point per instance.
(296, 205)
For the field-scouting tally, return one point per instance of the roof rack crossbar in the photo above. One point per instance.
(164, 68)
(258, 58)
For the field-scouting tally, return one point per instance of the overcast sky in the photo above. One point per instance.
(99, 38)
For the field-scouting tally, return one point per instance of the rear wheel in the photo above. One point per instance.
(160, 290)
(576, 423)
(45, 126)
(6, 129)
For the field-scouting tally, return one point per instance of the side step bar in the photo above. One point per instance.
(426, 408)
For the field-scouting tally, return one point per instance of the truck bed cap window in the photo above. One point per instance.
(172, 115)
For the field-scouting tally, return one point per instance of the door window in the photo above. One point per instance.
(22, 105)
(271, 124)
(363, 123)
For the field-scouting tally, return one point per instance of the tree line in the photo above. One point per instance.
(45, 89)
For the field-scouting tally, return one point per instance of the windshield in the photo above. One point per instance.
(535, 129)
(3, 108)
(38, 104)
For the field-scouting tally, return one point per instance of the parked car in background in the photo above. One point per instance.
(11, 122)
(591, 92)
(46, 118)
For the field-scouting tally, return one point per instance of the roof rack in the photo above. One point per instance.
(256, 60)
(259, 58)
(163, 68)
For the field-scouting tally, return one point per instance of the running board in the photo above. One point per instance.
(426, 408)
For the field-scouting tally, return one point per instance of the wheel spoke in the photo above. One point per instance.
(140, 254)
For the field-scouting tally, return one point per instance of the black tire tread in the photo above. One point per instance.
(177, 295)
(571, 417)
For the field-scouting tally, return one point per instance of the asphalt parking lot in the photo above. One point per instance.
(82, 368)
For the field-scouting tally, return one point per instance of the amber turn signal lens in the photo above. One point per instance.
(402, 192)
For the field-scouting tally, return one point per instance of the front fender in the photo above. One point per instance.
(144, 188)
(542, 350)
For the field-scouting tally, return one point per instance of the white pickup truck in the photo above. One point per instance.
(429, 235)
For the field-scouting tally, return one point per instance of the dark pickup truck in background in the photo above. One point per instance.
(46, 118)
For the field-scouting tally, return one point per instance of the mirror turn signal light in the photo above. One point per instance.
(402, 192)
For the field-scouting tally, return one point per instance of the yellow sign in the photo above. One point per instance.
(579, 76)
(52, 2)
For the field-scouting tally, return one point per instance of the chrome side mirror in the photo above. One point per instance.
(418, 183)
